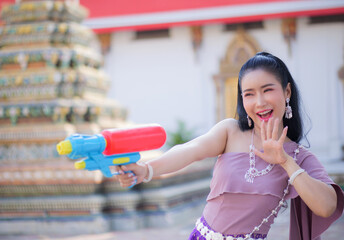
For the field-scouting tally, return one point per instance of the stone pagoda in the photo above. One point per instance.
(52, 85)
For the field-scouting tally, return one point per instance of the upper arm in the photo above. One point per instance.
(214, 142)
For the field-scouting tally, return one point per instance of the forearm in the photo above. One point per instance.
(319, 197)
(175, 159)
(208, 145)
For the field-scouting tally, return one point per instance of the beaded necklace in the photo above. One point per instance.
(253, 172)
(280, 204)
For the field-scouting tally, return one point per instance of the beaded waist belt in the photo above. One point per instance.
(209, 234)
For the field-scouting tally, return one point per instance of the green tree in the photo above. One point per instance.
(181, 135)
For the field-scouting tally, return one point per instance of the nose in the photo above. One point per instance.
(260, 100)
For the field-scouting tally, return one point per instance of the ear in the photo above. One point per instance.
(287, 91)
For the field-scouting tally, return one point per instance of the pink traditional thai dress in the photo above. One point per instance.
(235, 207)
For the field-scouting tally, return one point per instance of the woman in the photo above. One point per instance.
(260, 163)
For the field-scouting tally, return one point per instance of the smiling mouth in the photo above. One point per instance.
(265, 115)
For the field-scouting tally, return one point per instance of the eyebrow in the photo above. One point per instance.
(264, 86)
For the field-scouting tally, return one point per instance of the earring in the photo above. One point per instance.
(288, 110)
(249, 121)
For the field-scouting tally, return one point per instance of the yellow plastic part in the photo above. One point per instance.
(120, 161)
(80, 165)
(64, 147)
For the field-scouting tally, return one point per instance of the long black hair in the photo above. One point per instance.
(275, 66)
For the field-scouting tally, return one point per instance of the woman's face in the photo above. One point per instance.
(263, 96)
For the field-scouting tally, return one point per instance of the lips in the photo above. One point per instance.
(265, 114)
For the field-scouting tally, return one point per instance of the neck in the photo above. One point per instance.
(256, 132)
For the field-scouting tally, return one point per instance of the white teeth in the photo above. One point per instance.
(265, 112)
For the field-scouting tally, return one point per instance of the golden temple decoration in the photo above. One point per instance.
(240, 49)
(105, 42)
(289, 27)
(197, 38)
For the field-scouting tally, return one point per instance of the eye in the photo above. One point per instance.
(248, 94)
(268, 89)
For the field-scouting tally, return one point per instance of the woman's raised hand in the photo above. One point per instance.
(273, 151)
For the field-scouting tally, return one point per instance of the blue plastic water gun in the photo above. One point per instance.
(111, 147)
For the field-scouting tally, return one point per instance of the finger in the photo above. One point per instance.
(269, 128)
(128, 184)
(124, 178)
(130, 167)
(284, 135)
(116, 170)
(119, 169)
(263, 131)
(136, 169)
(127, 180)
(275, 130)
(258, 153)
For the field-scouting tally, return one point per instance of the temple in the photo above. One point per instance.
(52, 85)
(79, 66)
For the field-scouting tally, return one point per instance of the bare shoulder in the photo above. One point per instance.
(230, 124)
(237, 140)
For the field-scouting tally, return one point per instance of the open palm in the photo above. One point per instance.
(273, 151)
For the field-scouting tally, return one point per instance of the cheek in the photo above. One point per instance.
(276, 99)
(248, 105)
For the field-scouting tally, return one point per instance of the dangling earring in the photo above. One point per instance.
(249, 121)
(288, 110)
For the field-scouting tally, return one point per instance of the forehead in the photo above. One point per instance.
(258, 78)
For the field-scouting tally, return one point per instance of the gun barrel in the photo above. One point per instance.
(64, 147)
(81, 145)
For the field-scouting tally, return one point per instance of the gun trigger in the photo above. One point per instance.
(107, 172)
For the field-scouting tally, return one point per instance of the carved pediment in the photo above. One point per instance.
(240, 49)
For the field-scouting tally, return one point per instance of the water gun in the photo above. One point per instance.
(111, 147)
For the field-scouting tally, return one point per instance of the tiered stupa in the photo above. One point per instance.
(52, 85)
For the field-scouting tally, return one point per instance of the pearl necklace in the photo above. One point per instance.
(253, 172)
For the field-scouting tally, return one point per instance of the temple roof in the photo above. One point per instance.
(116, 15)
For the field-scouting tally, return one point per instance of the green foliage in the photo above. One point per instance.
(181, 135)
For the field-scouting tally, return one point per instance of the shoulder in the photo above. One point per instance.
(230, 124)
(306, 155)
(235, 137)
(302, 154)
(308, 161)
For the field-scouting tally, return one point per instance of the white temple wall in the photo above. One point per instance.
(157, 80)
(319, 57)
(163, 80)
